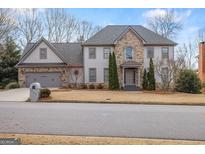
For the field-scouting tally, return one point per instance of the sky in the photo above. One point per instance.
(192, 19)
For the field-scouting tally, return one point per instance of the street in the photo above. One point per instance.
(120, 120)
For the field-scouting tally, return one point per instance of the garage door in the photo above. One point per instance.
(45, 79)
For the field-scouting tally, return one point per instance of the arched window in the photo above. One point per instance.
(128, 53)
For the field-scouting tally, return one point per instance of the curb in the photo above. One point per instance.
(131, 103)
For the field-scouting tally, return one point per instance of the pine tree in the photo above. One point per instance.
(115, 74)
(8, 59)
(150, 76)
(145, 80)
(110, 71)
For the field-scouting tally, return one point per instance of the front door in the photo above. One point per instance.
(129, 76)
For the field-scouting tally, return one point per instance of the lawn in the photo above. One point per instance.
(132, 97)
(76, 140)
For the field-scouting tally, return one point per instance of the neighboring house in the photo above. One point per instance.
(201, 61)
(54, 64)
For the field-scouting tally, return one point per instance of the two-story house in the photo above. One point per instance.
(55, 64)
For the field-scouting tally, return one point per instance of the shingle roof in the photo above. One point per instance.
(109, 34)
(72, 52)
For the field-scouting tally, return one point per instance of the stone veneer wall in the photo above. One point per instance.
(63, 70)
(129, 39)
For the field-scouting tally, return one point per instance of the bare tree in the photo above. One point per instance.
(180, 58)
(201, 35)
(166, 73)
(7, 24)
(85, 30)
(30, 26)
(165, 24)
(186, 55)
(60, 25)
(75, 75)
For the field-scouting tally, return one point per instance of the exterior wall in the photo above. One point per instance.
(202, 61)
(63, 70)
(99, 63)
(72, 77)
(34, 57)
(129, 40)
(157, 57)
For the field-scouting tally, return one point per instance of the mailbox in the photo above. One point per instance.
(35, 91)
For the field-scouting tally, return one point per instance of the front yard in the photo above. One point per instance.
(132, 97)
(83, 140)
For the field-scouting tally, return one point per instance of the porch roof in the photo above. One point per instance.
(131, 64)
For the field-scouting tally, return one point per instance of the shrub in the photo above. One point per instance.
(91, 86)
(203, 85)
(5, 82)
(110, 83)
(1, 86)
(188, 82)
(99, 86)
(113, 75)
(45, 92)
(150, 76)
(12, 85)
(145, 80)
(84, 86)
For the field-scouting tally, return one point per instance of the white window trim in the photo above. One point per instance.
(104, 74)
(148, 50)
(89, 52)
(162, 52)
(125, 53)
(40, 50)
(95, 75)
(104, 52)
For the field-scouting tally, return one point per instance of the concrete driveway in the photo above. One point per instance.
(19, 94)
(146, 121)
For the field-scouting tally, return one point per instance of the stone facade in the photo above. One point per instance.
(22, 71)
(129, 39)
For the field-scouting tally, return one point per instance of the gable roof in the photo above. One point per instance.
(69, 53)
(26, 54)
(110, 33)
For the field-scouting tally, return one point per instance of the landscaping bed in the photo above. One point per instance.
(131, 97)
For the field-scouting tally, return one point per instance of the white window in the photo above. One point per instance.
(92, 53)
(165, 52)
(92, 74)
(150, 52)
(106, 53)
(106, 75)
(43, 53)
(129, 53)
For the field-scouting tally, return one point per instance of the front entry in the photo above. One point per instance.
(129, 76)
(131, 79)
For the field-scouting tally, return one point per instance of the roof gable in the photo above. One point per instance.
(32, 48)
(129, 28)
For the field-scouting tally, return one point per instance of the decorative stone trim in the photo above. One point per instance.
(129, 39)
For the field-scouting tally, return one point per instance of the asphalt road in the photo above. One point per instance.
(122, 120)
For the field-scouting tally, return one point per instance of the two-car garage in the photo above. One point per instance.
(46, 79)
